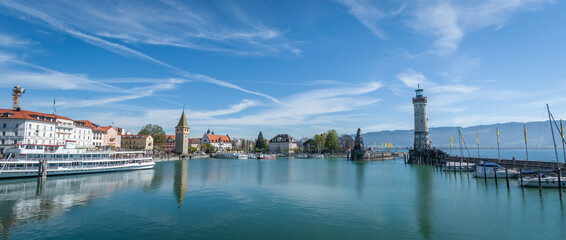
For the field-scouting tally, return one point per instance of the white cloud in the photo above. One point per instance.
(65, 26)
(412, 78)
(448, 21)
(170, 23)
(367, 14)
(321, 106)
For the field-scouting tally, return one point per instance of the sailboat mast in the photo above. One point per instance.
(555, 151)
(461, 147)
(563, 144)
(552, 131)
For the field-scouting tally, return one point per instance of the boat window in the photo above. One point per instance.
(76, 156)
(58, 156)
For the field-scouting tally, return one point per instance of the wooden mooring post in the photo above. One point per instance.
(559, 183)
(521, 177)
(495, 175)
(539, 184)
(42, 171)
(507, 177)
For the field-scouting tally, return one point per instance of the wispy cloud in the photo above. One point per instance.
(66, 25)
(312, 108)
(412, 78)
(222, 28)
(10, 41)
(368, 14)
(447, 21)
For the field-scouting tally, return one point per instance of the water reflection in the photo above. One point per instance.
(180, 181)
(259, 172)
(360, 176)
(424, 201)
(331, 177)
(27, 200)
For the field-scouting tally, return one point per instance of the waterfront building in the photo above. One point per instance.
(137, 142)
(220, 142)
(195, 142)
(97, 136)
(422, 140)
(28, 127)
(282, 143)
(168, 145)
(182, 131)
(111, 137)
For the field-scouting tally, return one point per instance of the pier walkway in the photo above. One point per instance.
(438, 157)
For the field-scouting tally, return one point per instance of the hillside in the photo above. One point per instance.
(510, 134)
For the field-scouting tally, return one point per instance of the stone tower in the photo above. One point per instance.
(182, 136)
(421, 121)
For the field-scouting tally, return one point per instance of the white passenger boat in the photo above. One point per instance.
(545, 182)
(491, 170)
(23, 160)
(318, 156)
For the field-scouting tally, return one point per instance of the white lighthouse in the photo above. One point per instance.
(421, 121)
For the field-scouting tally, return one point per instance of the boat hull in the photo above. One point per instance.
(500, 174)
(66, 171)
(544, 182)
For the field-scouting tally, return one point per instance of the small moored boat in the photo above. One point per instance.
(491, 170)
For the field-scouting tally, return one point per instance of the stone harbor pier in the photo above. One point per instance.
(359, 152)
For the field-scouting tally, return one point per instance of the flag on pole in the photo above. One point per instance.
(497, 135)
(391, 145)
(451, 141)
(381, 144)
(478, 137)
(562, 130)
(525, 128)
(54, 110)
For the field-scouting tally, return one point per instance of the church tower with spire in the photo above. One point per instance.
(182, 136)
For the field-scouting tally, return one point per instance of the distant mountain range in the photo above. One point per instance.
(511, 135)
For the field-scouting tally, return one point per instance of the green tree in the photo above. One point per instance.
(209, 148)
(261, 144)
(319, 140)
(310, 145)
(155, 131)
(193, 149)
(345, 142)
(331, 141)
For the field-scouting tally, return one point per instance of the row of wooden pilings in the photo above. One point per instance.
(438, 158)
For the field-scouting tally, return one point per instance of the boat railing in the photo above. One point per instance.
(81, 159)
(6, 167)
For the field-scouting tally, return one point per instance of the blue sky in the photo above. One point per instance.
(297, 67)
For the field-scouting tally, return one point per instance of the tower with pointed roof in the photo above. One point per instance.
(182, 136)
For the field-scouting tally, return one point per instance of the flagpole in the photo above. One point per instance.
(526, 149)
(450, 145)
(478, 140)
(498, 152)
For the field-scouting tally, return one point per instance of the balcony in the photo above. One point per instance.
(64, 125)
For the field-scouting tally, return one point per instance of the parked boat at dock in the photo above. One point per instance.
(545, 182)
(23, 160)
(267, 156)
(491, 170)
(456, 166)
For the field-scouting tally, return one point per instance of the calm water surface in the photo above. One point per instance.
(277, 199)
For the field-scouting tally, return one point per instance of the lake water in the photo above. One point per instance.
(277, 199)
